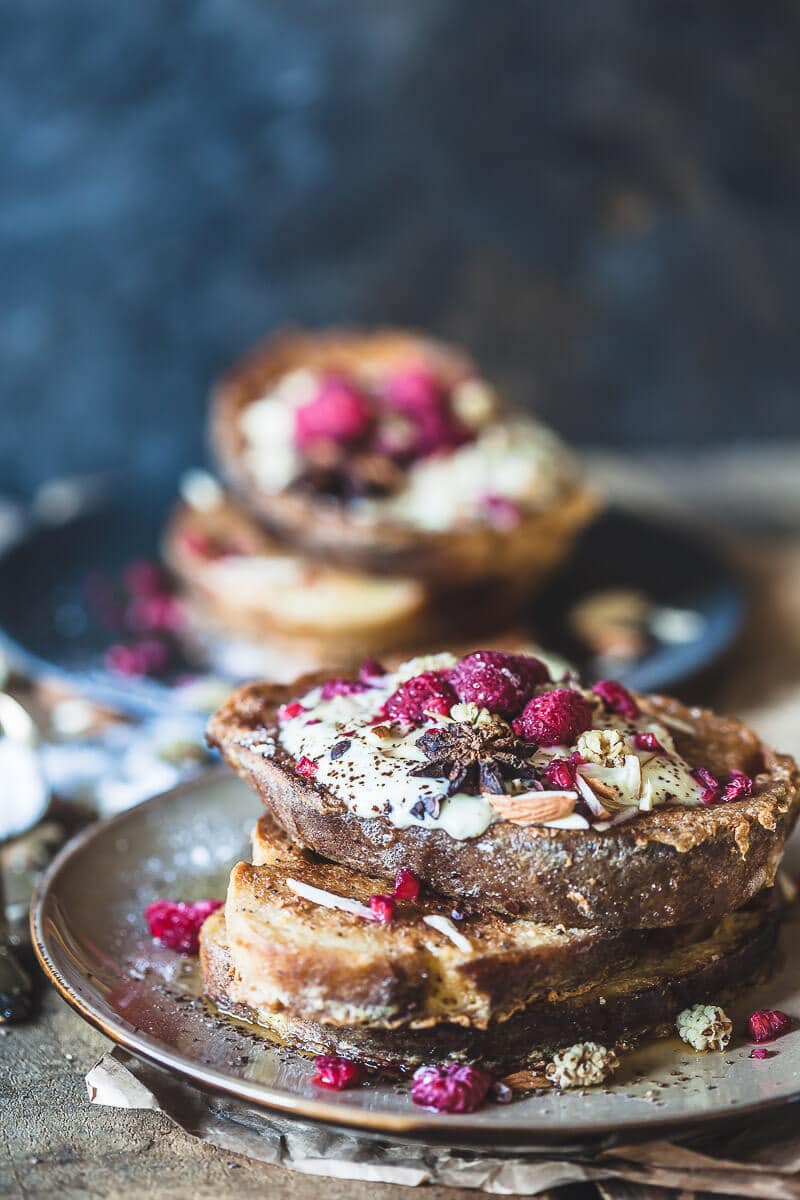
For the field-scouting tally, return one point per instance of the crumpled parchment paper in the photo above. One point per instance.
(757, 1158)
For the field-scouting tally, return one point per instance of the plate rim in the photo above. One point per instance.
(423, 1126)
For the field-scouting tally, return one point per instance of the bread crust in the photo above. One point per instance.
(639, 1001)
(672, 866)
(325, 529)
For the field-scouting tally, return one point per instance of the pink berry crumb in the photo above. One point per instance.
(306, 767)
(617, 699)
(342, 687)
(450, 1088)
(287, 712)
(383, 908)
(406, 885)
(339, 413)
(738, 786)
(767, 1024)
(760, 1052)
(648, 741)
(176, 925)
(712, 788)
(336, 1073)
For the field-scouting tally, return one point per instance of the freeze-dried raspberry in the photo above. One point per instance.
(339, 412)
(616, 698)
(306, 767)
(371, 670)
(383, 908)
(737, 787)
(287, 712)
(648, 741)
(499, 511)
(429, 692)
(561, 772)
(336, 1073)
(500, 682)
(768, 1024)
(176, 925)
(413, 389)
(406, 885)
(342, 687)
(555, 718)
(150, 656)
(712, 788)
(450, 1088)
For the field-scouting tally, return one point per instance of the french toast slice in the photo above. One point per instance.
(642, 997)
(671, 866)
(528, 547)
(239, 579)
(337, 967)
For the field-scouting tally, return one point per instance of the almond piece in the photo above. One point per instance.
(534, 808)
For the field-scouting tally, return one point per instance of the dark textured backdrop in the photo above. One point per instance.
(601, 197)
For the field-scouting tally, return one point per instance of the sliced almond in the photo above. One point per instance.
(534, 808)
(601, 789)
(526, 1081)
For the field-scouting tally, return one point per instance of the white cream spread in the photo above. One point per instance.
(517, 460)
(370, 773)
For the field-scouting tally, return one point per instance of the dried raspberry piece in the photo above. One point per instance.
(555, 718)
(450, 1088)
(339, 412)
(342, 687)
(561, 772)
(429, 692)
(287, 712)
(768, 1024)
(383, 908)
(144, 579)
(176, 924)
(306, 767)
(370, 670)
(146, 657)
(738, 786)
(336, 1073)
(712, 788)
(500, 682)
(760, 1052)
(156, 613)
(413, 389)
(616, 698)
(406, 885)
(648, 741)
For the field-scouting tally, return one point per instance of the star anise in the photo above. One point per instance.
(474, 758)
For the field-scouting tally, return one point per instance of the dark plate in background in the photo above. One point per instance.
(46, 626)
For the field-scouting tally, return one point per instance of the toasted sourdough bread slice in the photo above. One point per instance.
(672, 866)
(324, 528)
(241, 580)
(639, 999)
(292, 953)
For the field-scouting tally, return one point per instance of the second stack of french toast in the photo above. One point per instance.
(377, 497)
(464, 860)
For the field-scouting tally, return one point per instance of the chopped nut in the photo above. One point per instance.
(472, 714)
(585, 1064)
(606, 747)
(534, 808)
(526, 1081)
(425, 662)
(704, 1027)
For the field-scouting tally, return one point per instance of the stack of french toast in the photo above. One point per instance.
(374, 496)
(464, 860)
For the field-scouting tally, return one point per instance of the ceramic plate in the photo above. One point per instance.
(92, 941)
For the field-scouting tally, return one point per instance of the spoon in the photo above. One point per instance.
(24, 797)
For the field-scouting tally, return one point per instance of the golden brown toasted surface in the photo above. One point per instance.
(325, 529)
(672, 866)
(639, 999)
(338, 967)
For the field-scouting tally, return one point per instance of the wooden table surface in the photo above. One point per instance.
(53, 1143)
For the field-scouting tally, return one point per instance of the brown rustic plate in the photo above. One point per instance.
(93, 943)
